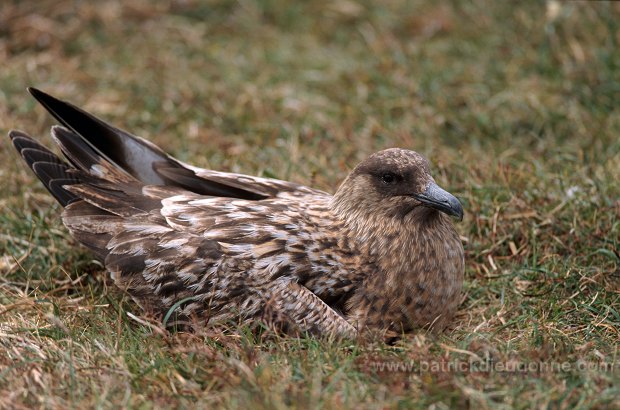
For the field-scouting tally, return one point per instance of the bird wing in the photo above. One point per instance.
(148, 163)
(201, 243)
(187, 255)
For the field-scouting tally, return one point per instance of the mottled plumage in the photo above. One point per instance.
(219, 247)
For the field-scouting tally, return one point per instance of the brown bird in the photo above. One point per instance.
(209, 247)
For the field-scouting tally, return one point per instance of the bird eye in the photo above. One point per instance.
(388, 178)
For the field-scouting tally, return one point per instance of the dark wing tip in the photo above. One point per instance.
(36, 93)
(44, 99)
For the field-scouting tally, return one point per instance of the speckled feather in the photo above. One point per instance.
(222, 247)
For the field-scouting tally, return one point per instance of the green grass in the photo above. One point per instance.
(516, 104)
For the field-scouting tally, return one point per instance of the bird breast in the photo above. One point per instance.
(416, 277)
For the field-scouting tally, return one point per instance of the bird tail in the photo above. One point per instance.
(51, 170)
(84, 164)
(95, 193)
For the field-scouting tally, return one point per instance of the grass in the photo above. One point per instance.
(516, 105)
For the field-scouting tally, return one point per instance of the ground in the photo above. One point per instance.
(515, 104)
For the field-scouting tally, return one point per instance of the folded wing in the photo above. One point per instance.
(86, 139)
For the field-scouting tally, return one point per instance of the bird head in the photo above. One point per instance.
(395, 182)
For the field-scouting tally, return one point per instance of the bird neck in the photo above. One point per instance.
(399, 245)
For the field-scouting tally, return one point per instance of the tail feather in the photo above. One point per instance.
(33, 155)
(22, 141)
(62, 195)
(53, 172)
(56, 177)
